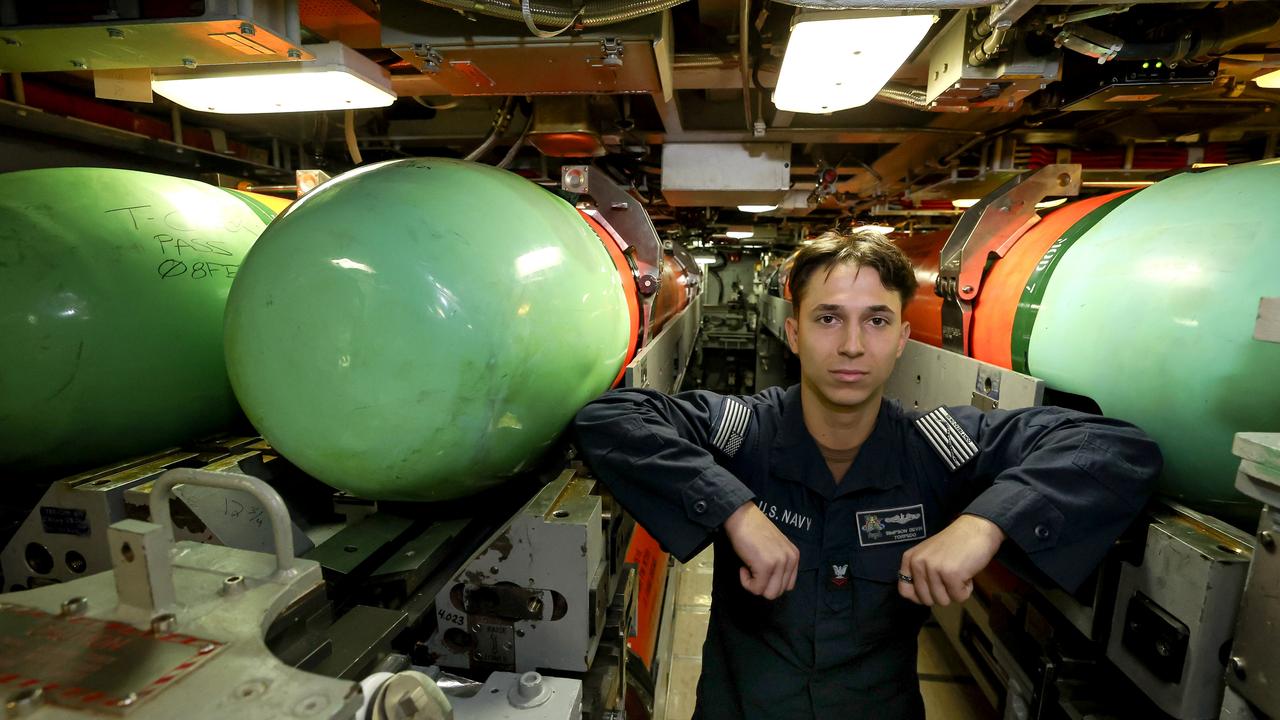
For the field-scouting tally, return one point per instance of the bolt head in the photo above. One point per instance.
(189, 62)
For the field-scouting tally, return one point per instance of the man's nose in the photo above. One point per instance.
(851, 345)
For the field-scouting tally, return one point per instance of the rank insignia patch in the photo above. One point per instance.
(839, 576)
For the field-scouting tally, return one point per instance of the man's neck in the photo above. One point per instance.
(839, 428)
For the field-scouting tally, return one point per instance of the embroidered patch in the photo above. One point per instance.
(839, 576)
(733, 426)
(948, 439)
(891, 525)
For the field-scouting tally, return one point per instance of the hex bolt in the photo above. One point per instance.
(75, 606)
(115, 33)
(78, 64)
(188, 62)
(1268, 540)
(1237, 668)
(294, 54)
(967, 289)
(535, 605)
(247, 28)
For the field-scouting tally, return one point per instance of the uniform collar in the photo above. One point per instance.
(796, 457)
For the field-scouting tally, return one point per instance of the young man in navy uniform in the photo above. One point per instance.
(837, 516)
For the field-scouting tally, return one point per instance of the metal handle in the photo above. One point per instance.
(281, 525)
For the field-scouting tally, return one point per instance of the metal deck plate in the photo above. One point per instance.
(94, 664)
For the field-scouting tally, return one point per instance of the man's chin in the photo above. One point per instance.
(845, 398)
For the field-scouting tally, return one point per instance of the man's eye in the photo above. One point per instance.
(879, 321)
(827, 319)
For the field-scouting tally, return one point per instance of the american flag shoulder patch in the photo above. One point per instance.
(947, 438)
(732, 428)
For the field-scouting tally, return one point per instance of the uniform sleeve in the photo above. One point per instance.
(1062, 485)
(655, 453)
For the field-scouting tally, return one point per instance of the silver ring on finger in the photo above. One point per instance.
(905, 578)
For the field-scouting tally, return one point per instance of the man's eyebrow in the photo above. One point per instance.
(828, 308)
(880, 309)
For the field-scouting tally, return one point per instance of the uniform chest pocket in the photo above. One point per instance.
(880, 614)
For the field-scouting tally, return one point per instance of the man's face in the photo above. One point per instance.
(848, 334)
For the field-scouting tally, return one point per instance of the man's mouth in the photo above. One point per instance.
(849, 375)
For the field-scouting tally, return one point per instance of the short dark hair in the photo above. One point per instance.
(861, 247)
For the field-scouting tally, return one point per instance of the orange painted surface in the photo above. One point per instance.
(673, 294)
(628, 288)
(651, 576)
(925, 310)
(997, 303)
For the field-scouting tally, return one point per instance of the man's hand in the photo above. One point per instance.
(770, 558)
(941, 568)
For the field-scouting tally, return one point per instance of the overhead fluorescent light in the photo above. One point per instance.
(886, 229)
(839, 60)
(703, 260)
(1047, 204)
(1270, 80)
(740, 234)
(338, 79)
(757, 208)
(964, 203)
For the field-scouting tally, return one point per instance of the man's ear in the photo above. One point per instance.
(792, 327)
(902, 341)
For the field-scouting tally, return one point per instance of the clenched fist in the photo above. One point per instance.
(941, 569)
(770, 559)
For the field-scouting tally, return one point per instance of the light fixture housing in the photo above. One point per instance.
(338, 79)
(883, 229)
(757, 208)
(837, 60)
(964, 203)
(740, 234)
(1270, 80)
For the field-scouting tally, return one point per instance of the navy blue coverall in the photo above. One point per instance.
(1060, 484)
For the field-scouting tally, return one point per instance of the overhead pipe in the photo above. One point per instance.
(499, 126)
(994, 29)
